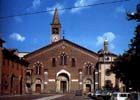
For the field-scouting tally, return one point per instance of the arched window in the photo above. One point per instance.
(73, 63)
(63, 59)
(88, 69)
(55, 30)
(38, 68)
(53, 62)
(107, 72)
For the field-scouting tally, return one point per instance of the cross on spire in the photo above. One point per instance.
(63, 34)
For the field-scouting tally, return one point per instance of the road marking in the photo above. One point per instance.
(50, 97)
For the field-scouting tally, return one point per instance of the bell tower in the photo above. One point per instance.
(55, 27)
(105, 45)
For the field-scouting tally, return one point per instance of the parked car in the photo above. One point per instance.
(98, 93)
(106, 94)
(95, 94)
(120, 95)
(78, 93)
(135, 96)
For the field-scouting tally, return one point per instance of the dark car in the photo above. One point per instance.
(78, 93)
(135, 96)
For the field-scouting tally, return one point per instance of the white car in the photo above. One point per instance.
(120, 96)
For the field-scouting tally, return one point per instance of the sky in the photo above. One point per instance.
(85, 26)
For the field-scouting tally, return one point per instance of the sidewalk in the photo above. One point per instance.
(24, 97)
(49, 98)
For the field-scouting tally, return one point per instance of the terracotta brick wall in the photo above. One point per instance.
(45, 57)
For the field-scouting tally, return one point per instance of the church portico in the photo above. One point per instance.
(63, 81)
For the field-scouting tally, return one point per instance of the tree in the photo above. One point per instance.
(133, 15)
(127, 65)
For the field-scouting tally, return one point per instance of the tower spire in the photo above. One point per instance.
(105, 45)
(55, 17)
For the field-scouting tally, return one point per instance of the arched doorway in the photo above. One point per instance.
(62, 83)
(87, 85)
(108, 84)
(38, 85)
(38, 88)
(88, 88)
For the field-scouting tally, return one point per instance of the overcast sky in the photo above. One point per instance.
(86, 27)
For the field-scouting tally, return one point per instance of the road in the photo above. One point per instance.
(23, 97)
(72, 97)
(45, 97)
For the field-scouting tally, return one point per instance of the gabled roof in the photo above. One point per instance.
(10, 54)
(60, 41)
(102, 53)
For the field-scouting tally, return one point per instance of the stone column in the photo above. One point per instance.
(80, 79)
(96, 80)
(45, 80)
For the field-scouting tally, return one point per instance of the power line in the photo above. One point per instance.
(68, 8)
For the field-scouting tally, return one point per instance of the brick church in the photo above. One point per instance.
(64, 66)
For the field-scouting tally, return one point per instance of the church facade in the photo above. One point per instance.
(64, 66)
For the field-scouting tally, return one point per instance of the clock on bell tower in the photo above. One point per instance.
(55, 27)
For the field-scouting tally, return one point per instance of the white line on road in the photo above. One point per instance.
(50, 97)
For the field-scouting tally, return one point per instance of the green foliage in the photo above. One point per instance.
(127, 65)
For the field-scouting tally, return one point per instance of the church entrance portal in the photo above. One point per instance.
(38, 88)
(88, 88)
(38, 85)
(63, 86)
(63, 83)
(87, 85)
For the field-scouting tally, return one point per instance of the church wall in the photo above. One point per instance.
(74, 86)
(12, 75)
(51, 87)
(45, 57)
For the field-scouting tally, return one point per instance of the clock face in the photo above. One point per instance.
(55, 38)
